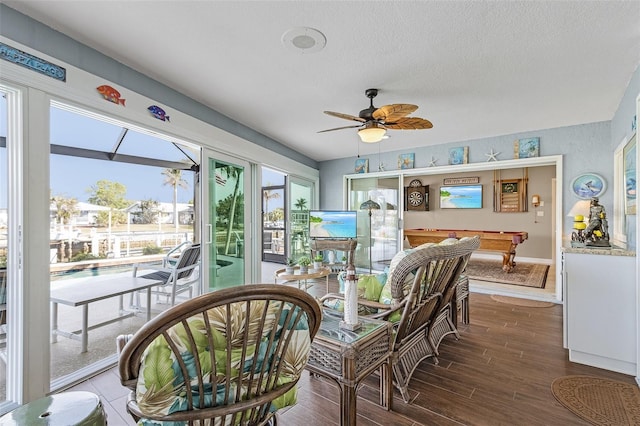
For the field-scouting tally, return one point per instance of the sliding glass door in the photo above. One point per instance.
(227, 235)
(300, 202)
(4, 217)
(377, 201)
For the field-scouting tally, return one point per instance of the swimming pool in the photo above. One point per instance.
(94, 271)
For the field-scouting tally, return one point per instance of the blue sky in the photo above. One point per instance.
(74, 176)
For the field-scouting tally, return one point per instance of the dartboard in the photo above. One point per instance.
(415, 198)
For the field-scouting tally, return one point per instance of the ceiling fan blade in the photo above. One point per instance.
(339, 128)
(409, 123)
(393, 112)
(345, 116)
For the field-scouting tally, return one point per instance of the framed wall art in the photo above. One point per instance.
(588, 185)
(526, 148)
(629, 160)
(405, 161)
(362, 165)
(459, 155)
(461, 197)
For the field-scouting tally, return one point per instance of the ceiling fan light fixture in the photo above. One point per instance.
(372, 133)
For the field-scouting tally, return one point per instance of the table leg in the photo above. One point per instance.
(348, 406)
(54, 322)
(85, 325)
(148, 304)
(327, 278)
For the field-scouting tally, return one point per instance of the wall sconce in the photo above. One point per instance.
(535, 200)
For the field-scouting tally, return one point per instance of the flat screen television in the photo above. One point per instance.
(335, 224)
(461, 197)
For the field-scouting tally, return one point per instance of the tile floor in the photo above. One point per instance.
(113, 395)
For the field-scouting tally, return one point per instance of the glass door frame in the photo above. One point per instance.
(292, 181)
(277, 251)
(208, 226)
(384, 224)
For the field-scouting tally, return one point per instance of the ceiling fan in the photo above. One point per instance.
(375, 121)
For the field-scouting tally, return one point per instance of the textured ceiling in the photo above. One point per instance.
(475, 69)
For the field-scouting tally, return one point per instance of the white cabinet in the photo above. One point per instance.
(600, 308)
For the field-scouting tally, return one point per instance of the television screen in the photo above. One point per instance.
(332, 224)
(461, 197)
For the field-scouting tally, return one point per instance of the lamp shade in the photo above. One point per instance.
(369, 205)
(581, 207)
(372, 132)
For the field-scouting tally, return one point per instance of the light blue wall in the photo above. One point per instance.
(582, 148)
(585, 148)
(621, 129)
(36, 35)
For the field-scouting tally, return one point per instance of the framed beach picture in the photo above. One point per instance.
(459, 155)
(461, 197)
(526, 148)
(362, 165)
(405, 161)
(629, 159)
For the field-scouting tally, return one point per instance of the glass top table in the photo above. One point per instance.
(347, 357)
(323, 272)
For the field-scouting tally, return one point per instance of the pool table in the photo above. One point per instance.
(504, 242)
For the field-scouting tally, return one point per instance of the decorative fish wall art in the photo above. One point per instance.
(110, 94)
(158, 113)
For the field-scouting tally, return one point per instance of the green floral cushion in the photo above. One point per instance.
(161, 385)
(385, 294)
(369, 288)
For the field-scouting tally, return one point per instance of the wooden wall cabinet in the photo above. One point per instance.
(510, 195)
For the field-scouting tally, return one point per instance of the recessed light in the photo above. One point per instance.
(304, 40)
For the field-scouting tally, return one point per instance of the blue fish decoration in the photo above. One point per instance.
(158, 113)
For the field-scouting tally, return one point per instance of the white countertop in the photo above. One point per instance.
(611, 251)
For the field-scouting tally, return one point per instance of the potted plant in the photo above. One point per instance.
(288, 269)
(317, 262)
(304, 263)
(344, 259)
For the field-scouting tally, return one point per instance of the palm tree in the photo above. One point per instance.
(234, 173)
(66, 208)
(301, 204)
(267, 194)
(173, 177)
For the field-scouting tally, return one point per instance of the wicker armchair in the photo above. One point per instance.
(436, 270)
(232, 356)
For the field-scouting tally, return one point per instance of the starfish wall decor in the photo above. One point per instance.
(492, 156)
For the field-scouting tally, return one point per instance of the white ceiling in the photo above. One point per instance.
(475, 68)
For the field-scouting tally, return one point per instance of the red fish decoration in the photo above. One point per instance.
(110, 94)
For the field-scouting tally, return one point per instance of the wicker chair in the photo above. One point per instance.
(436, 270)
(257, 338)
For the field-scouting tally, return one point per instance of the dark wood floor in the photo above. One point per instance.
(498, 373)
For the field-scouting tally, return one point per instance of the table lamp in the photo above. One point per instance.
(578, 212)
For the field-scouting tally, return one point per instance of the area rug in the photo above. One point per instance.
(524, 274)
(517, 301)
(599, 401)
